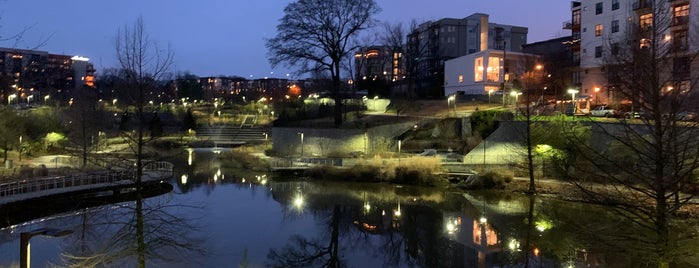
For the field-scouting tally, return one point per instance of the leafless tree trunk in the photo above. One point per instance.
(144, 63)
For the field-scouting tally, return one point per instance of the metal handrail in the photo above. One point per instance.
(43, 184)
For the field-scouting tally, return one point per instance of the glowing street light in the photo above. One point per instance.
(572, 92)
(451, 100)
(515, 94)
(490, 93)
(10, 98)
(301, 134)
(25, 248)
(597, 89)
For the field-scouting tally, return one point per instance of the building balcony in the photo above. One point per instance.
(570, 25)
(679, 22)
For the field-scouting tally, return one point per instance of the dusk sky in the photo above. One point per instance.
(226, 37)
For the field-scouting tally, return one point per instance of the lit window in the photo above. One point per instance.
(493, 71)
(680, 14)
(461, 78)
(645, 21)
(598, 29)
(478, 70)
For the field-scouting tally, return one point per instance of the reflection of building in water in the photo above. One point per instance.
(480, 240)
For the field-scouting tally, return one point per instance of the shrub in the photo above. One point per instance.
(416, 170)
(494, 179)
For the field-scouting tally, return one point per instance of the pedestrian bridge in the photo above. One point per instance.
(24, 189)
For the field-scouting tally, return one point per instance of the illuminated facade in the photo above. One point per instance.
(483, 72)
(433, 43)
(605, 29)
(30, 73)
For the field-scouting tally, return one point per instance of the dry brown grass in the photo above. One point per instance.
(414, 170)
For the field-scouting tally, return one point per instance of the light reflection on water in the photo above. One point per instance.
(233, 217)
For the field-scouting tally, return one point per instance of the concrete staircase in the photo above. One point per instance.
(233, 134)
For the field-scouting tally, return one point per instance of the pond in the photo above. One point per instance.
(223, 217)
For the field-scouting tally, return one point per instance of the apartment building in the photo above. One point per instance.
(27, 74)
(434, 42)
(607, 32)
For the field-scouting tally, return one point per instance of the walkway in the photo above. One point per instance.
(25, 189)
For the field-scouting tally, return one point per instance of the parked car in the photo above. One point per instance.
(687, 116)
(635, 114)
(604, 111)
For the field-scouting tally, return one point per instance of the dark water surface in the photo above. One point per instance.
(220, 217)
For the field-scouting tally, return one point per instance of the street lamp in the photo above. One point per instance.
(375, 98)
(597, 89)
(451, 100)
(490, 93)
(24, 247)
(301, 134)
(10, 98)
(515, 94)
(572, 92)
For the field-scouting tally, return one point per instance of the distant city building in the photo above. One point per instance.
(557, 60)
(435, 42)
(25, 74)
(378, 62)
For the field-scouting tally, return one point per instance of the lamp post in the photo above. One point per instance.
(451, 100)
(19, 150)
(301, 134)
(24, 247)
(515, 94)
(572, 92)
(399, 144)
(10, 98)
(597, 89)
(490, 93)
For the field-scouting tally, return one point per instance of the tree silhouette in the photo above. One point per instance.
(317, 35)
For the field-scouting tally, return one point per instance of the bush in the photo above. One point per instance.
(417, 170)
(494, 179)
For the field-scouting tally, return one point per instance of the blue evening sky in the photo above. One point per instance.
(226, 37)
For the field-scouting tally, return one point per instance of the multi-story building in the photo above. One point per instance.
(25, 74)
(435, 42)
(379, 69)
(378, 62)
(607, 32)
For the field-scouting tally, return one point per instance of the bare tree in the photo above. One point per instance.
(648, 165)
(143, 63)
(316, 35)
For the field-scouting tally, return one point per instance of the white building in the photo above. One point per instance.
(605, 27)
(485, 72)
